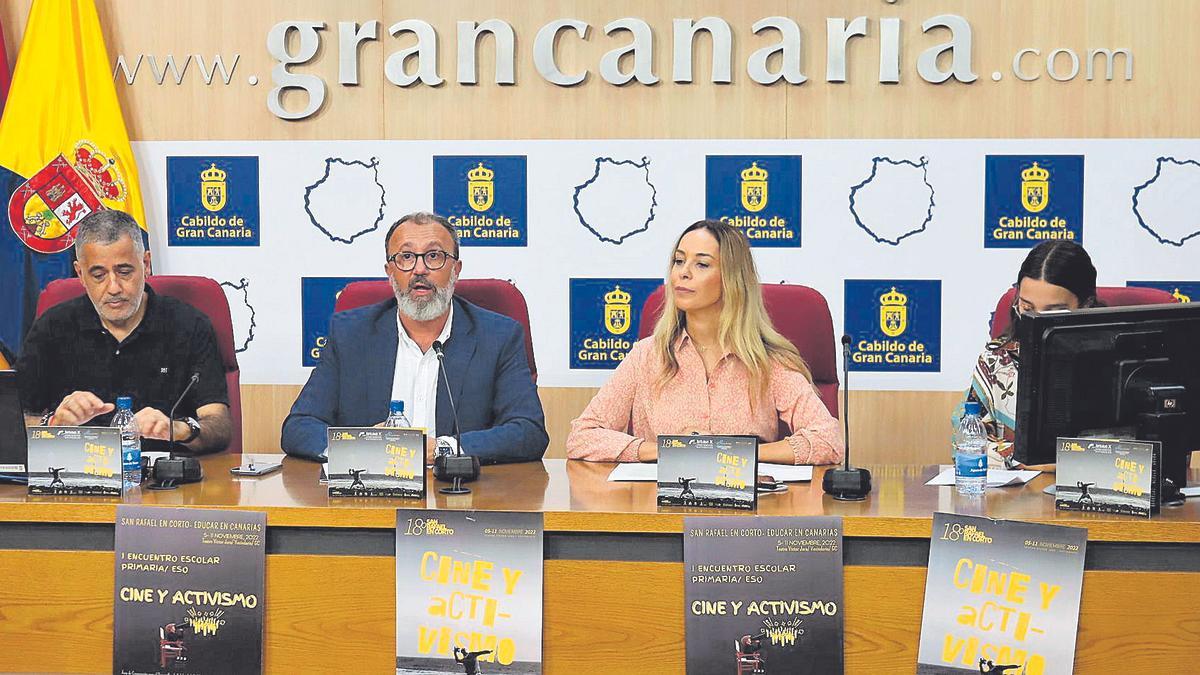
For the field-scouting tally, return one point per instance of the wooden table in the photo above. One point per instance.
(613, 570)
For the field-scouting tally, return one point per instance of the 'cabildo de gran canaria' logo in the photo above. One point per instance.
(1182, 291)
(893, 315)
(484, 197)
(754, 188)
(1018, 210)
(318, 297)
(757, 194)
(1035, 188)
(894, 324)
(618, 315)
(212, 188)
(212, 201)
(604, 319)
(45, 209)
(481, 189)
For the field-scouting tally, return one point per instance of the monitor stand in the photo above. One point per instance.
(1169, 428)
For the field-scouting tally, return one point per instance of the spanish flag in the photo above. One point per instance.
(64, 153)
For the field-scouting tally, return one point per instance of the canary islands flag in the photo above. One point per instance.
(64, 153)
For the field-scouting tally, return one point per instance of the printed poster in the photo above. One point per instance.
(82, 461)
(468, 592)
(1001, 596)
(708, 471)
(188, 591)
(763, 595)
(376, 462)
(1108, 476)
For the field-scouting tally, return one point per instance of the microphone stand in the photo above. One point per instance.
(171, 415)
(847, 484)
(458, 467)
(441, 357)
(170, 471)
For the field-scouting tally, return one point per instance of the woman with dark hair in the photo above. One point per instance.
(1056, 275)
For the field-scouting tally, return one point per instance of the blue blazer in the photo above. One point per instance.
(498, 407)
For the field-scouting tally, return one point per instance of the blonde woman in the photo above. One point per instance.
(715, 365)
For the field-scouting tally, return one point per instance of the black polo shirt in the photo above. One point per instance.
(68, 349)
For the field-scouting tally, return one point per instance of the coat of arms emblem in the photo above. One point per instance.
(893, 313)
(1035, 188)
(481, 190)
(754, 188)
(212, 188)
(618, 314)
(44, 210)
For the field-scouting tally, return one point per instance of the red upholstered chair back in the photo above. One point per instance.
(200, 292)
(1111, 296)
(800, 314)
(495, 295)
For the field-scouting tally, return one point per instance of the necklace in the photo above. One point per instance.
(699, 347)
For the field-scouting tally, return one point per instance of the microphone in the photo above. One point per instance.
(170, 471)
(171, 415)
(458, 467)
(846, 398)
(847, 484)
(441, 357)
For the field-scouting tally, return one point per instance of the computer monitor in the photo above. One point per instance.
(1113, 372)
(12, 423)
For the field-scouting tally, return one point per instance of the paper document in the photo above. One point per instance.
(638, 471)
(995, 477)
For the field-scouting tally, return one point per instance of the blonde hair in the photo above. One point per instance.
(744, 327)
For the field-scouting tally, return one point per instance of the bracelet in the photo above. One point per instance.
(47, 418)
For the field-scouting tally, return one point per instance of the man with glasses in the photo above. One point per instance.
(384, 352)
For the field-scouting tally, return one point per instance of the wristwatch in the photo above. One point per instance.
(194, 426)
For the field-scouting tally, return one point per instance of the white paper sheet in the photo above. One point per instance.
(996, 477)
(637, 471)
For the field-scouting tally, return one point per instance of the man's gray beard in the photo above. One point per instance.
(425, 310)
(135, 303)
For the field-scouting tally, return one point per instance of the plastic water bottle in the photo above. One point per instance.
(131, 443)
(970, 452)
(396, 416)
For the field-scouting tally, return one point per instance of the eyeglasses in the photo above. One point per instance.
(406, 261)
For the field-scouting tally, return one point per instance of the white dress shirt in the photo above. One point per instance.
(415, 379)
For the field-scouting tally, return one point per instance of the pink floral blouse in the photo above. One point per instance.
(628, 409)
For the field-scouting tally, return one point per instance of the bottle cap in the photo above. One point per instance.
(124, 403)
(973, 407)
(396, 407)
